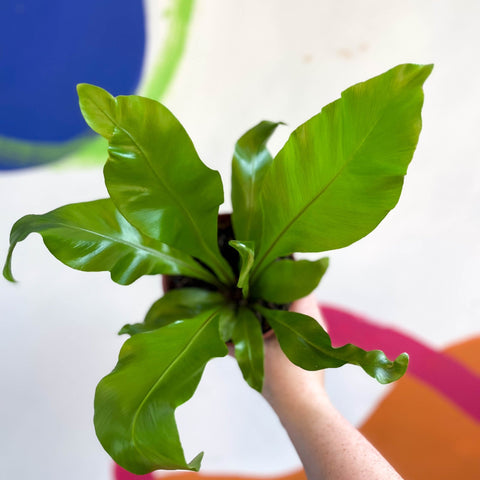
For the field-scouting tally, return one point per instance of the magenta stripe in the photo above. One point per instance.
(121, 474)
(440, 371)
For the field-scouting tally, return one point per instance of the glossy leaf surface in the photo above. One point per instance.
(227, 318)
(98, 108)
(155, 177)
(94, 236)
(156, 372)
(342, 171)
(248, 341)
(247, 256)
(309, 346)
(250, 162)
(178, 304)
(287, 280)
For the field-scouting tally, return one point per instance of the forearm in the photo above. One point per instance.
(329, 447)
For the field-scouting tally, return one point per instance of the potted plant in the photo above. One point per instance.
(331, 184)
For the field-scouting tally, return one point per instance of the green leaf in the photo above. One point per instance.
(248, 341)
(178, 304)
(133, 328)
(246, 251)
(93, 236)
(250, 162)
(98, 109)
(287, 280)
(308, 345)
(158, 182)
(342, 171)
(227, 319)
(154, 174)
(156, 372)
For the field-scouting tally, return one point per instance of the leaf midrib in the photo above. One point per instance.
(322, 191)
(145, 156)
(133, 246)
(308, 342)
(351, 361)
(165, 372)
(200, 238)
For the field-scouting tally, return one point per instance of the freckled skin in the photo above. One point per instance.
(329, 447)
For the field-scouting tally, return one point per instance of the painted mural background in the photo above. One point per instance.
(48, 47)
(221, 66)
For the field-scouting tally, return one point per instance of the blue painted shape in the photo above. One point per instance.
(47, 47)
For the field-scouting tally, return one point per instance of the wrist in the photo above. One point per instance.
(301, 391)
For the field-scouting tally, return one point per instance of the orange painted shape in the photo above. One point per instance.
(297, 475)
(422, 434)
(467, 352)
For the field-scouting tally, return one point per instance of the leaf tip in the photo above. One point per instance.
(395, 370)
(195, 464)
(80, 87)
(403, 360)
(325, 262)
(429, 67)
(98, 108)
(417, 73)
(258, 386)
(273, 125)
(132, 329)
(7, 269)
(86, 89)
(426, 70)
(125, 330)
(7, 274)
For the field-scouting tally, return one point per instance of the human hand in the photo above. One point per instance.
(284, 380)
(329, 447)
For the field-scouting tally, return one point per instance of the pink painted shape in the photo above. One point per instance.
(448, 376)
(122, 474)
